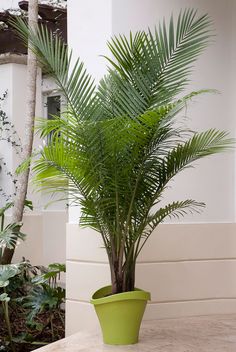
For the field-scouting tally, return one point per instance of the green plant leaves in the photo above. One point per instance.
(155, 65)
(119, 144)
(43, 298)
(46, 294)
(5, 208)
(4, 297)
(51, 275)
(74, 81)
(10, 235)
(7, 272)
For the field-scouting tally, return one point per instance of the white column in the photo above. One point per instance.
(89, 28)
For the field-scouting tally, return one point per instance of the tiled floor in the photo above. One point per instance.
(192, 334)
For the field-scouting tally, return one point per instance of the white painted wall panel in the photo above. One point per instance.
(80, 316)
(188, 280)
(178, 281)
(188, 308)
(85, 278)
(84, 243)
(46, 238)
(169, 242)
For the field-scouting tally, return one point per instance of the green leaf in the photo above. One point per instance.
(53, 54)
(10, 235)
(4, 297)
(53, 272)
(43, 298)
(5, 208)
(158, 64)
(29, 204)
(7, 272)
(119, 144)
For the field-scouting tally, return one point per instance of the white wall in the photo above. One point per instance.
(88, 38)
(215, 175)
(213, 178)
(190, 268)
(5, 148)
(45, 228)
(46, 237)
(8, 4)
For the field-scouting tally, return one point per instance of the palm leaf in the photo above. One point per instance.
(157, 65)
(117, 147)
(53, 54)
(175, 209)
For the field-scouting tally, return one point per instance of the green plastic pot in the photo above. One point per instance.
(120, 315)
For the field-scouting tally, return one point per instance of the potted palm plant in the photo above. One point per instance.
(118, 145)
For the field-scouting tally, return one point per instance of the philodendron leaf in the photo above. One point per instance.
(53, 272)
(4, 283)
(4, 297)
(10, 235)
(7, 272)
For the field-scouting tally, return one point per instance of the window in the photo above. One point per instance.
(53, 106)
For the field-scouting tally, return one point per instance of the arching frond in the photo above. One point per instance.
(56, 59)
(119, 144)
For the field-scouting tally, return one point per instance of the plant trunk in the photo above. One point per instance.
(129, 278)
(116, 277)
(122, 280)
(23, 179)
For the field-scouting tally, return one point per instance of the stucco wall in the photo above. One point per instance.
(46, 238)
(188, 267)
(5, 148)
(45, 228)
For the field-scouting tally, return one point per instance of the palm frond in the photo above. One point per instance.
(156, 65)
(118, 145)
(56, 59)
(176, 209)
(200, 145)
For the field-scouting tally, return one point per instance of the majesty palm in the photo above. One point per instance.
(118, 145)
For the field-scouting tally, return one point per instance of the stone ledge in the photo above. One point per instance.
(216, 333)
(10, 58)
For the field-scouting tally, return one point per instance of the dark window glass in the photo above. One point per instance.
(53, 108)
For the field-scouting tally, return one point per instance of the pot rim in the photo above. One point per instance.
(99, 297)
